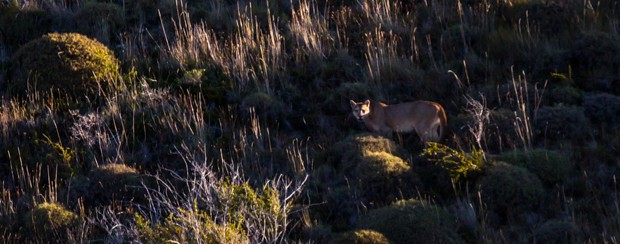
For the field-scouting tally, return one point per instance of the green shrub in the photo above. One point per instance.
(361, 237)
(550, 167)
(509, 189)
(383, 178)
(115, 182)
(195, 226)
(413, 221)
(457, 163)
(240, 198)
(555, 231)
(71, 62)
(561, 122)
(602, 108)
(49, 221)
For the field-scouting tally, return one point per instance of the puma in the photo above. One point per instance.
(427, 119)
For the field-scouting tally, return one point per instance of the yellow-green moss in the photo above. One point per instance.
(68, 62)
(361, 237)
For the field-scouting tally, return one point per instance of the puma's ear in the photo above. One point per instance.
(367, 102)
(353, 103)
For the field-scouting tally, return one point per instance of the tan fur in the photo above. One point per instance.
(427, 119)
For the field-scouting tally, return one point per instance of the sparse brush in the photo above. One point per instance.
(226, 197)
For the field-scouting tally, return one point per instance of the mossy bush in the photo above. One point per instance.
(445, 172)
(602, 108)
(413, 221)
(352, 149)
(112, 182)
(360, 237)
(67, 62)
(457, 163)
(561, 123)
(551, 167)
(383, 178)
(49, 222)
(564, 95)
(510, 190)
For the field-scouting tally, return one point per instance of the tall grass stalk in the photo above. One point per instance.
(382, 13)
(254, 57)
(310, 29)
(525, 108)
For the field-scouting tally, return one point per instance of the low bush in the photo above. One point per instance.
(413, 221)
(457, 163)
(510, 190)
(112, 182)
(565, 95)
(383, 178)
(550, 167)
(360, 237)
(70, 62)
(49, 222)
(602, 108)
(561, 123)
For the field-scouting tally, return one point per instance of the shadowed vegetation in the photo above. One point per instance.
(229, 121)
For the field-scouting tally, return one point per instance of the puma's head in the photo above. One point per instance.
(361, 109)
